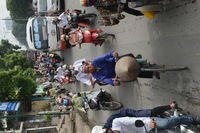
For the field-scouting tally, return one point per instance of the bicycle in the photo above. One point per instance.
(161, 68)
(128, 68)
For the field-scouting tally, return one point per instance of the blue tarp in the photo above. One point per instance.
(9, 106)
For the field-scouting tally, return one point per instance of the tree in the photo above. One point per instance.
(20, 11)
(16, 84)
(7, 48)
(16, 59)
(19, 8)
(17, 78)
(7, 85)
(19, 31)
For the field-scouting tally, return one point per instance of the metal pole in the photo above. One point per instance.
(15, 19)
(33, 115)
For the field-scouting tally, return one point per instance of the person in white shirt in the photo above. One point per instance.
(63, 20)
(132, 125)
(98, 129)
(60, 71)
(81, 76)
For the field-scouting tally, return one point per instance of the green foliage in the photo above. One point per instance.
(47, 118)
(19, 8)
(20, 11)
(27, 86)
(7, 84)
(16, 59)
(19, 31)
(7, 48)
(17, 78)
(16, 85)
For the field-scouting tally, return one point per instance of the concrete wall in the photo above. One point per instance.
(74, 123)
(81, 126)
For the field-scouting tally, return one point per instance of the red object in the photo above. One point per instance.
(90, 36)
(62, 45)
(87, 36)
(60, 100)
(83, 3)
(66, 80)
(83, 25)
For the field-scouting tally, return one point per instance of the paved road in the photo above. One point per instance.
(171, 38)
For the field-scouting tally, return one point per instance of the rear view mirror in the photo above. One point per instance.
(139, 123)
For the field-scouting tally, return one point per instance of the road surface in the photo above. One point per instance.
(171, 38)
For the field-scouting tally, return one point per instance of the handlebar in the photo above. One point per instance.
(155, 129)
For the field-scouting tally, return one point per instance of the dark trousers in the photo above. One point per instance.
(131, 11)
(146, 112)
(159, 110)
(136, 113)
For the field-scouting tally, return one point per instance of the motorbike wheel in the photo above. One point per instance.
(113, 105)
(104, 36)
(89, 15)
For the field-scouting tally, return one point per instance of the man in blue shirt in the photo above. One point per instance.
(103, 68)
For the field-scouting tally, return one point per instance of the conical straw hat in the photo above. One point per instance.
(127, 68)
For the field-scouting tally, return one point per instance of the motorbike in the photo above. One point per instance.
(95, 36)
(100, 100)
(178, 129)
(81, 19)
(145, 7)
(108, 10)
(110, 19)
(87, 36)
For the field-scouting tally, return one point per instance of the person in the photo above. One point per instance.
(133, 124)
(103, 69)
(60, 100)
(139, 113)
(81, 76)
(77, 101)
(76, 37)
(62, 21)
(123, 7)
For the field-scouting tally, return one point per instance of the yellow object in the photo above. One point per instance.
(148, 14)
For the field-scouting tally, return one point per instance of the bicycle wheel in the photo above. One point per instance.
(88, 15)
(113, 105)
(163, 68)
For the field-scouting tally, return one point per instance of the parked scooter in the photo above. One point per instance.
(100, 100)
(108, 10)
